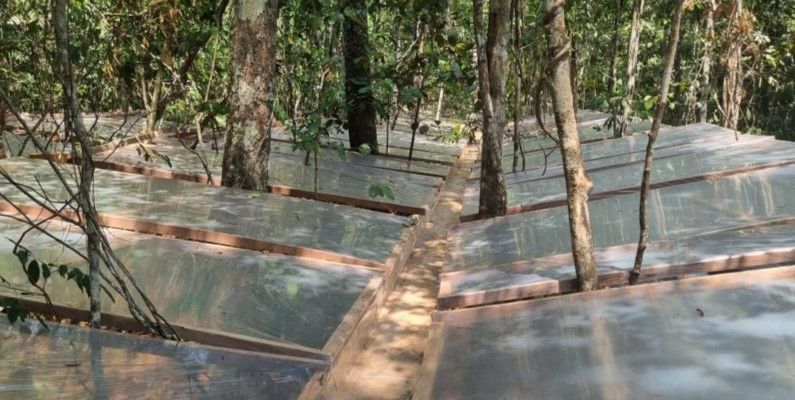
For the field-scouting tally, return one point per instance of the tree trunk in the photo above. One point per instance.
(74, 123)
(492, 57)
(733, 80)
(611, 88)
(578, 183)
(573, 76)
(706, 62)
(662, 104)
(439, 103)
(517, 86)
(632, 65)
(358, 92)
(253, 71)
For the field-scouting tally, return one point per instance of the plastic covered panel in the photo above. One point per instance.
(729, 336)
(68, 362)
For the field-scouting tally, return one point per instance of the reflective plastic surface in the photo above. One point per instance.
(68, 362)
(674, 212)
(366, 234)
(728, 336)
(731, 246)
(708, 158)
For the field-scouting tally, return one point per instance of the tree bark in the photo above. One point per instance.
(358, 92)
(662, 104)
(74, 123)
(492, 56)
(578, 183)
(517, 86)
(706, 62)
(632, 66)
(611, 88)
(253, 72)
(733, 80)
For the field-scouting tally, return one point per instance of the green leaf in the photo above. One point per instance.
(45, 271)
(388, 192)
(23, 255)
(365, 149)
(373, 191)
(34, 272)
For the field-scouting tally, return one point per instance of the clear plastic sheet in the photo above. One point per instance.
(68, 362)
(604, 154)
(703, 160)
(205, 286)
(400, 138)
(731, 247)
(346, 230)
(727, 336)
(333, 177)
(674, 212)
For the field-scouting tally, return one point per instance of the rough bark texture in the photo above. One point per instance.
(361, 110)
(517, 86)
(706, 61)
(662, 104)
(253, 71)
(578, 183)
(492, 55)
(74, 122)
(733, 80)
(632, 66)
(614, 49)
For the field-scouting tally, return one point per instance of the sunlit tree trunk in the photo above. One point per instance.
(578, 183)
(358, 92)
(492, 55)
(662, 104)
(706, 62)
(632, 65)
(74, 123)
(252, 74)
(614, 51)
(733, 80)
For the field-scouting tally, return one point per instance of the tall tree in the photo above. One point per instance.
(358, 89)
(253, 72)
(578, 183)
(706, 61)
(492, 57)
(74, 124)
(738, 28)
(633, 49)
(662, 104)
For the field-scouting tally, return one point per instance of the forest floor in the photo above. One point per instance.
(389, 367)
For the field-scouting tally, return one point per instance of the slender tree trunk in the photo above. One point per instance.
(733, 80)
(74, 121)
(706, 61)
(439, 103)
(632, 66)
(492, 57)
(253, 71)
(578, 183)
(662, 104)
(517, 86)
(614, 50)
(419, 83)
(358, 92)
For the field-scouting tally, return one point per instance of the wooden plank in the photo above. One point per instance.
(186, 333)
(718, 281)
(201, 235)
